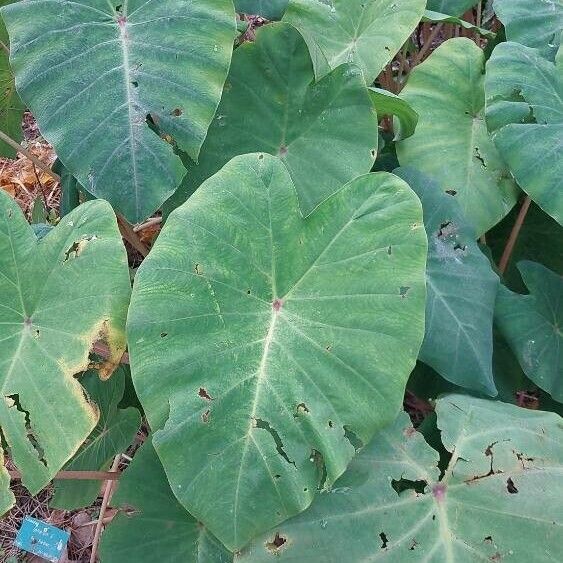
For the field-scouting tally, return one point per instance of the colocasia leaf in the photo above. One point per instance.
(266, 347)
(525, 114)
(366, 32)
(157, 526)
(462, 289)
(58, 295)
(532, 325)
(97, 74)
(451, 143)
(11, 107)
(114, 432)
(271, 9)
(501, 489)
(450, 7)
(272, 104)
(534, 23)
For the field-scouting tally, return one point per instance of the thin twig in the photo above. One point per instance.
(131, 237)
(42, 188)
(75, 475)
(511, 243)
(148, 223)
(105, 501)
(39, 163)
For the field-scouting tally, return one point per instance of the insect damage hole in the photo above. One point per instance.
(204, 394)
(510, 486)
(265, 425)
(478, 156)
(384, 540)
(403, 291)
(13, 402)
(276, 544)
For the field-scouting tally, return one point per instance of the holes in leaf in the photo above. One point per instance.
(446, 229)
(264, 425)
(317, 458)
(402, 485)
(451, 192)
(384, 540)
(353, 438)
(390, 250)
(198, 269)
(135, 84)
(521, 458)
(403, 291)
(488, 539)
(72, 252)
(205, 416)
(77, 247)
(373, 153)
(37, 333)
(260, 157)
(414, 543)
(478, 156)
(177, 112)
(14, 403)
(510, 486)
(301, 409)
(330, 424)
(277, 305)
(276, 544)
(328, 347)
(163, 334)
(248, 292)
(204, 394)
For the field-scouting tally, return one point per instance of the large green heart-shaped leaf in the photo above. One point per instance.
(366, 32)
(271, 9)
(93, 70)
(534, 23)
(462, 289)
(114, 433)
(272, 104)
(153, 525)
(57, 296)
(264, 346)
(450, 7)
(523, 87)
(532, 325)
(451, 142)
(501, 491)
(11, 107)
